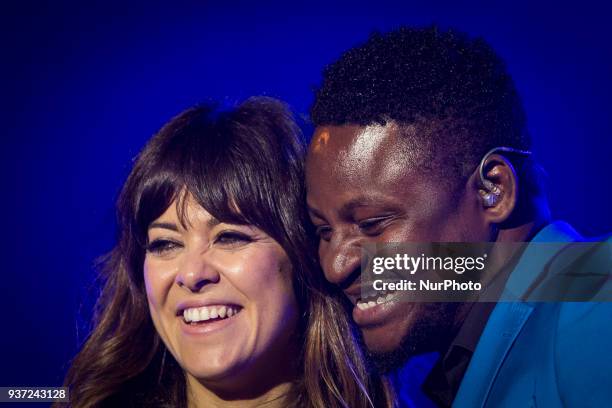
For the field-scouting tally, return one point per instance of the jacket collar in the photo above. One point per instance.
(536, 257)
(508, 317)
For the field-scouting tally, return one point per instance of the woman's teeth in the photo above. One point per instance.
(367, 304)
(201, 314)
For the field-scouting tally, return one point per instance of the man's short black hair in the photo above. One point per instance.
(454, 91)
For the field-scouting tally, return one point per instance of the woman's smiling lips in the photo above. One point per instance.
(205, 313)
(206, 317)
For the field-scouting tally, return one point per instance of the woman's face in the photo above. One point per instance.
(220, 296)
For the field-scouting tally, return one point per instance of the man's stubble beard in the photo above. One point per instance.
(426, 335)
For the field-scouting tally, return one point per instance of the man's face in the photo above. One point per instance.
(365, 184)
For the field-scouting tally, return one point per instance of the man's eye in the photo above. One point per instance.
(232, 238)
(323, 232)
(373, 226)
(162, 246)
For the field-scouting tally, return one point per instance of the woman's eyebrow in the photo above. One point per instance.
(212, 222)
(165, 225)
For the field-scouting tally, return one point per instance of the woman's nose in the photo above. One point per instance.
(196, 271)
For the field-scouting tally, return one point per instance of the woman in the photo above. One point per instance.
(212, 295)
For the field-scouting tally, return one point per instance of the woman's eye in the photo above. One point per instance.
(231, 238)
(162, 246)
(323, 232)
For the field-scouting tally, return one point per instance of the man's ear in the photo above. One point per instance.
(498, 192)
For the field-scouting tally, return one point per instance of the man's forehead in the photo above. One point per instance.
(374, 147)
(351, 155)
(350, 142)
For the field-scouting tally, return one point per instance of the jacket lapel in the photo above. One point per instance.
(507, 319)
(504, 325)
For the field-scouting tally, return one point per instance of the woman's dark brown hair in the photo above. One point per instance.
(243, 166)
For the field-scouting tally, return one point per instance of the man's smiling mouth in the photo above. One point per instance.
(381, 298)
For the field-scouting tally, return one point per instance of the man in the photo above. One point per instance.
(421, 137)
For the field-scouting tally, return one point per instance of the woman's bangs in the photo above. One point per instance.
(158, 192)
(217, 189)
(223, 167)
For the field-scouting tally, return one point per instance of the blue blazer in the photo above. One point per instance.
(555, 354)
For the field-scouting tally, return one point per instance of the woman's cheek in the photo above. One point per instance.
(158, 278)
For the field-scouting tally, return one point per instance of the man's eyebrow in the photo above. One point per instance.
(165, 225)
(355, 203)
(349, 207)
(380, 203)
(314, 211)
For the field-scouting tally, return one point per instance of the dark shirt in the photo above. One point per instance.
(442, 383)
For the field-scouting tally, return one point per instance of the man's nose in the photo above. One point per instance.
(197, 270)
(341, 261)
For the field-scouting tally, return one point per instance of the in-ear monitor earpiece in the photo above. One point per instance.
(492, 193)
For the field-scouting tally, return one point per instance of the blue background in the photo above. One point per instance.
(84, 86)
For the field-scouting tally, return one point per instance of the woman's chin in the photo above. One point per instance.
(211, 367)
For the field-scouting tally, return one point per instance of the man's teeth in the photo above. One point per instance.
(366, 304)
(201, 314)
